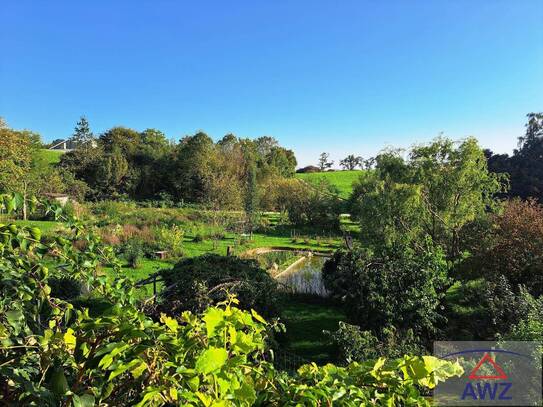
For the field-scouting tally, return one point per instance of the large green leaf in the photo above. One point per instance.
(212, 359)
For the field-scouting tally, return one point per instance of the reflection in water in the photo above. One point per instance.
(304, 277)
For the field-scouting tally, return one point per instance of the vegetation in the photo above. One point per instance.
(148, 292)
(57, 351)
(196, 283)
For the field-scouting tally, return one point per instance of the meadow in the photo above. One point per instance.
(341, 180)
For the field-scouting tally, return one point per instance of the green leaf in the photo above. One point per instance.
(212, 359)
(85, 400)
(213, 317)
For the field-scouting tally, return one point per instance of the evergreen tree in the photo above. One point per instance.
(82, 136)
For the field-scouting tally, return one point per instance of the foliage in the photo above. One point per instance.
(397, 287)
(354, 344)
(324, 161)
(196, 283)
(315, 204)
(350, 162)
(54, 352)
(133, 253)
(524, 166)
(82, 136)
(171, 240)
(511, 246)
(436, 192)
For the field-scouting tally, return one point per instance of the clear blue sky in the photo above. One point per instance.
(336, 76)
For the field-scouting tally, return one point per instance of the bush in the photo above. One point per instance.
(512, 247)
(171, 239)
(198, 282)
(398, 287)
(354, 344)
(133, 253)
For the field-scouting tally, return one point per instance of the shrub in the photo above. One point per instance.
(354, 344)
(171, 239)
(512, 247)
(398, 287)
(196, 283)
(133, 253)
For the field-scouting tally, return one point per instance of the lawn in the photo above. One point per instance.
(342, 180)
(305, 319)
(50, 156)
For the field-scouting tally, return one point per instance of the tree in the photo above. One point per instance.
(82, 137)
(351, 162)
(251, 196)
(17, 152)
(524, 167)
(441, 188)
(315, 205)
(511, 246)
(395, 287)
(324, 162)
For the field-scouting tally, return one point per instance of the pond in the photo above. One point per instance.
(304, 276)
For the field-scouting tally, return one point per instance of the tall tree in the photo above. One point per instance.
(251, 195)
(525, 166)
(441, 187)
(82, 137)
(351, 162)
(325, 162)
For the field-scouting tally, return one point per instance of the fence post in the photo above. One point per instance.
(154, 288)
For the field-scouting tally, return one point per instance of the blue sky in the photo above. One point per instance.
(336, 76)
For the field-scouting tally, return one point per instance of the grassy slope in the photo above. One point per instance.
(50, 156)
(342, 180)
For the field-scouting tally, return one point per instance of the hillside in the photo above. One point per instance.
(342, 180)
(50, 156)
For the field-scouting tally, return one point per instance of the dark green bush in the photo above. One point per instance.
(354, 344)
(398, 287)
(198, 282)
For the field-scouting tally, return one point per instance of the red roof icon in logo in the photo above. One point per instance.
(488, 360)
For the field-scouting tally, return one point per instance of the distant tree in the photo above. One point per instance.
(369, 163)
(3, 123)
(351, 162)
(82, 136)
(324, 162)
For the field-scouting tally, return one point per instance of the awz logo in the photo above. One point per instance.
(477, 390)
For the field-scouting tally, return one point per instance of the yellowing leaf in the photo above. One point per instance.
(69, 339)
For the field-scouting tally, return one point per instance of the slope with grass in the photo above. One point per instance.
(342, 180)
(50, 157)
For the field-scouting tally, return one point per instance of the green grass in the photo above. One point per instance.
(342, 180)
(305, 319)
(50, 157)
(44, 225)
